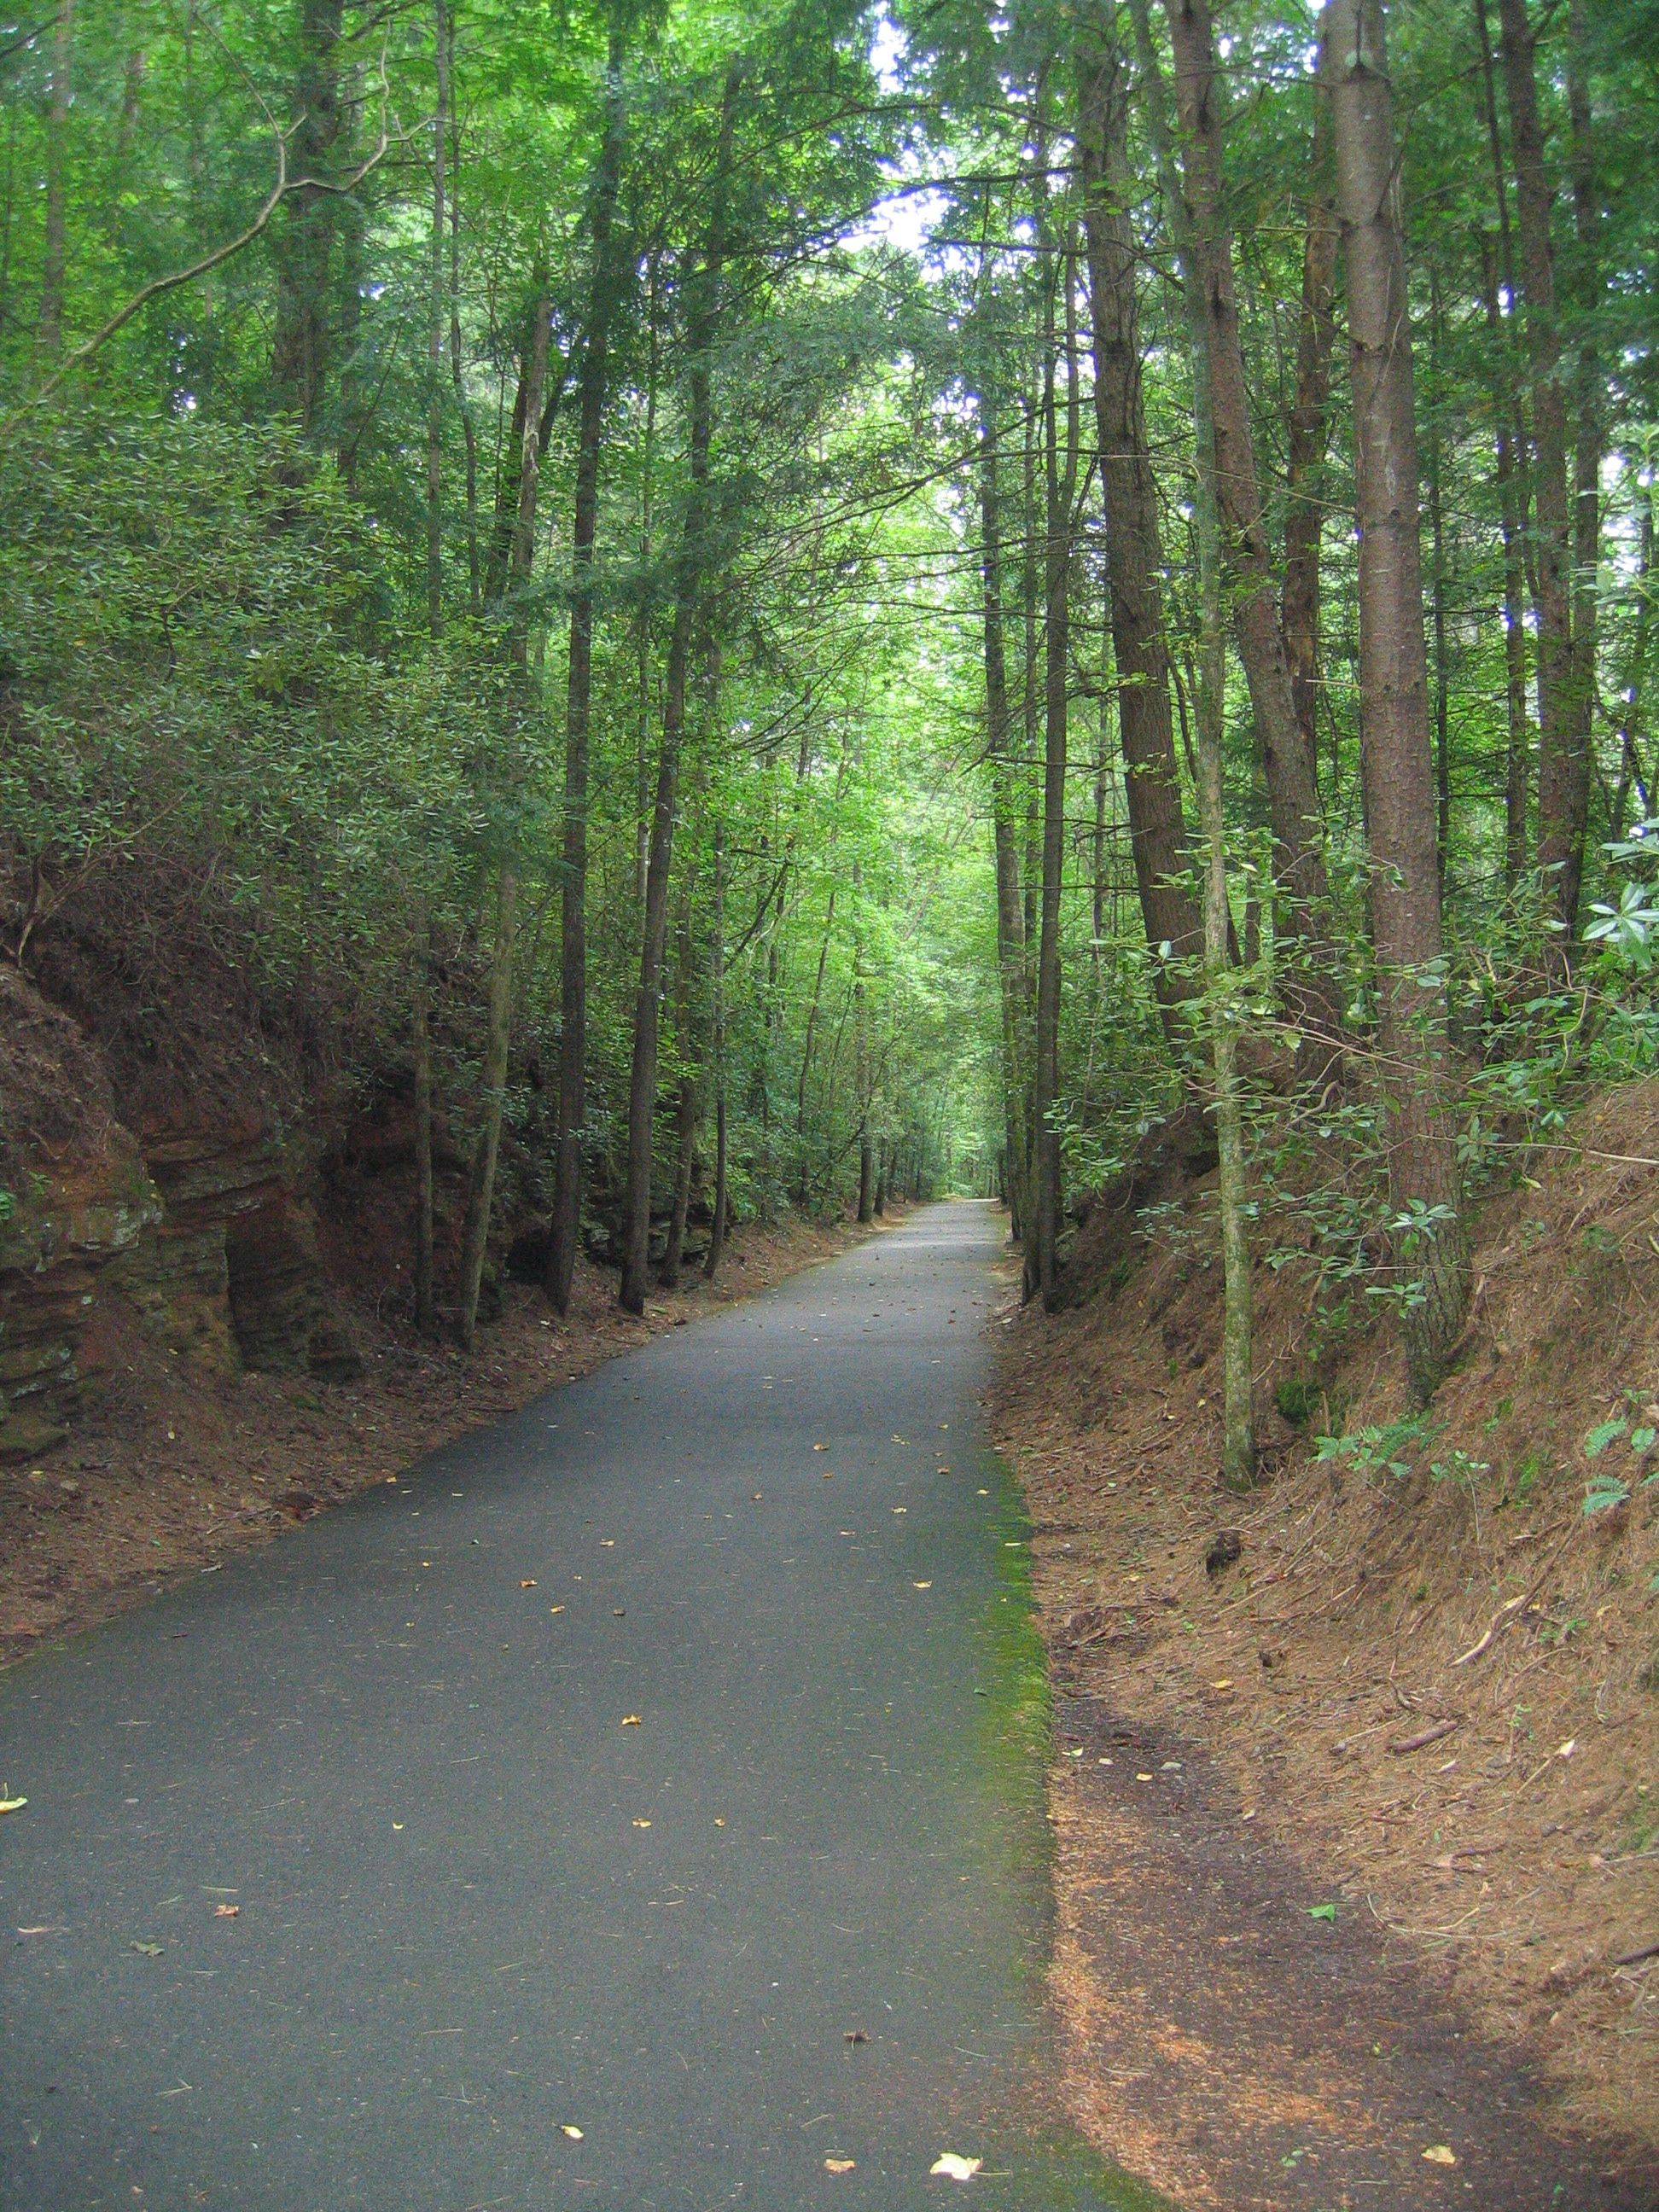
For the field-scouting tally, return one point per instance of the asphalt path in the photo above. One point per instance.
(663, 1764)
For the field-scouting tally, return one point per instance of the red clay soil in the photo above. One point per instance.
(181, 1465)
(1424, 1709)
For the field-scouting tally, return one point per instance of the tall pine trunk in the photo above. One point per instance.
(693, 558)
(421, 1028)
(51, 325)
(717, 1041)
(1151, 783)
(1563, 755)
(482, 1188)
(1399, 798)
(607, 278)
(1292, 795)
(435, 333)
(1011, 920)
(1309, 428)
(1238, 1460)
(304, 242)
(1060, 489)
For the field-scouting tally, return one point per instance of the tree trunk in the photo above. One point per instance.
(807, 1044)
(717, 1039)
(1404, 894)
(482, 1189)
(1633, 689)
(435, 413)
(1309, 431)
(1292, 795)
(420, 1026)
(1437, 608)
(1518, 747)
(1589, 430)
(304, 243)
(608, 271)
(1562, 759)
(693, 556)
(689, 1116)
(1011, 920)
(1060, 487)
(51, 327)
(1157, 834)
(861, 1092)
(475, 601)
(1238, 1460)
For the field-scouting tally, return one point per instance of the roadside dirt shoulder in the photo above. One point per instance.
(1357, 1802)
(181, 1465)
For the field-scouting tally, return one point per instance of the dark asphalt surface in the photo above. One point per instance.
(477, 1909)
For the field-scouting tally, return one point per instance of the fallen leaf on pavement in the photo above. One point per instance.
(1441, 2154)
(922, 1586)
(719, 1823)
(574, 2133)
(149, 1950)
(820, 1447)
(556, 1608)
(631, 1720)
(226, 1911)
(12, 1804)
(46, 1928)
(607, 1543)
(641, 1824)
(838, 2166)
(957, 2169)
(529, 1585)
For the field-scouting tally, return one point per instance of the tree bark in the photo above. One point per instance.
(1405, 894)
(1589, 430)
(51, 327)
(482, 1188)
(806, 1045)
(420, 1026)
(608, 271)
(689, 1115)
(1309, 431)
(1152, 783)
(1563, 758)
(300, 350)
(1010, 919)
(475, 600)
(717, 1041)
(1060, 489)
(435, 413)
(1518, 750)
(1293, 795)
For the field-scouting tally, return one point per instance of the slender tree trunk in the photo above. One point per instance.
(642, 776)
(1589, 430)
(481, 1190)
(807, 1044)
(717, 1039)
(861, 1092)
(693, 557)
(1518, 751)
(686, 1149)
(1151, 781)
(1238, 1460)
(1011, 920)
(1437, 607)
(304, 243)
(1562, 759)
(434, 412)
(422, 1028)
(1405, 894)
(1293, 795)
(1309, 431)
(51, 328)
(609, 267)
(475, 600)
(1060, 485)
(1634, 689)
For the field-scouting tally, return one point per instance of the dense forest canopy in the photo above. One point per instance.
(795, 600)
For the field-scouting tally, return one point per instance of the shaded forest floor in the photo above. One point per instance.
(181, 1464)
(1328, 1851)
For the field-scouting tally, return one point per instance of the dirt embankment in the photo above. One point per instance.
(1358, 1798)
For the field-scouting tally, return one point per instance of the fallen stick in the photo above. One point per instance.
(1635, 1958)
(1427, 1736)
(1507, 1612)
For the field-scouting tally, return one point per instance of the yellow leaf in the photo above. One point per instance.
(956, 2169)
(719, 1823)
(641, 1824)
(921, 1585)
(226, 1911)
(631, 1720)
(1440, 2155)
(607, 1543)
(12, 1804)
(556, 1608)
(574, 2133)
(1224, 1683)
(838, 2166)
(529, 1585)
(820, 1447)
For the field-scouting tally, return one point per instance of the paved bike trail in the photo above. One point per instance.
(665, 1763)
